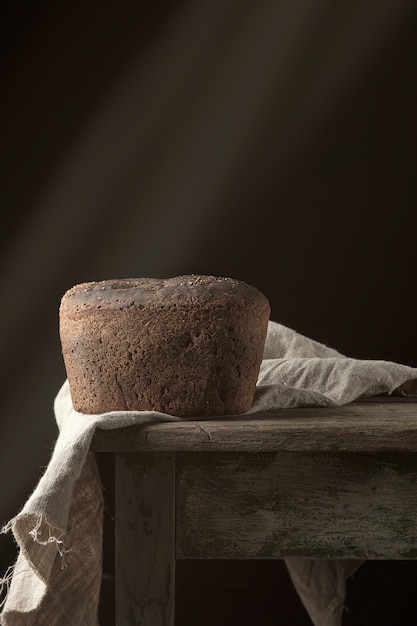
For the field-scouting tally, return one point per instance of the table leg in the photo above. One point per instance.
(145, 531)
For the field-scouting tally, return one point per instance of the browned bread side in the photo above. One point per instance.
(188, 345)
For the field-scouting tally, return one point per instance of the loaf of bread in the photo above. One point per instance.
(188, 346)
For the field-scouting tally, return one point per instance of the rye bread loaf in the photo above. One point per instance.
(188, 346)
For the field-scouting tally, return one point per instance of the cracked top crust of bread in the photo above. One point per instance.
(187, 290)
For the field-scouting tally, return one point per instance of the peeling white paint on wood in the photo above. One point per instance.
(311, 482)
(272, 505)
(145, 560)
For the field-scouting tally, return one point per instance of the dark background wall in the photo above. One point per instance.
(274, 142)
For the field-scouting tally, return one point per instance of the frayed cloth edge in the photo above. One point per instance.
(55, 536)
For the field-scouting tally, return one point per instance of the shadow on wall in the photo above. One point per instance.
(271, 142)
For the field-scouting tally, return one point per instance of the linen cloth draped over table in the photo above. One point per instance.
(56, 578)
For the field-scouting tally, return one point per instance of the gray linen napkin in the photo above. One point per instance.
(56, 578)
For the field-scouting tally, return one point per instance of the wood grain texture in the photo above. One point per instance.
(274, 505)
(145, 564)
(378, 425)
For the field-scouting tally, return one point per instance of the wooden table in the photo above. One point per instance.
(310, 482)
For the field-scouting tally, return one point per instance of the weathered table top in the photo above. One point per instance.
(378, 424)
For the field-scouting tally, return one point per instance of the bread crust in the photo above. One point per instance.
(189, 345)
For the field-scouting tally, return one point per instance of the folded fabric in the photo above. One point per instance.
(59, 529)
